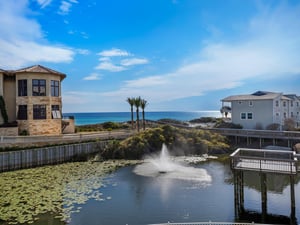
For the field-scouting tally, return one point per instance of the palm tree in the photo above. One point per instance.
(131, 103)
(137, 104)
(144, 103)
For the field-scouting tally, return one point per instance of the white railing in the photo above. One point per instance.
(275, 161)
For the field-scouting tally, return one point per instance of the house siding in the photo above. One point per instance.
(260, 109)
(266, 108)
(9, 87)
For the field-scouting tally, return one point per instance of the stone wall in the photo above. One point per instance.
(48, 126)
(8, 131)
(70, 128)
(40, 127)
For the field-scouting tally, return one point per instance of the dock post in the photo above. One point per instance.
(238, 193)
(241, 192)
(263, 184)
(236, 202)
(293, 204)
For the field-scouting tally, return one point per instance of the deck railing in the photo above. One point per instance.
(257, 133)
(274, 161)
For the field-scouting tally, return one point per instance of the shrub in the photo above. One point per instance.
(273, 126)
(179, 141)
(3, 110)
(258, 126)
(204, 120)
(289, 124)
(228, 125)
(24, 133)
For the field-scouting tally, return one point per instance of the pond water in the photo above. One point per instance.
(129, 198)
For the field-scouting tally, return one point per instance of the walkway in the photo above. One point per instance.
(64, 138)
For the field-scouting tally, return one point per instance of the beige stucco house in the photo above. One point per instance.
(33, 101)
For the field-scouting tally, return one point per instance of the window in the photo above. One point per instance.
(38, 87)
(22, 112)
(284, 115)
(243, 116)
(22, 87)
(55, 112)
(292, 104)
(54, 88)
(276, 103)
(39, 111)
(292, 114)
(284, 104)
(250, 103)
(297, 103)
(240, 102)
(249, 116)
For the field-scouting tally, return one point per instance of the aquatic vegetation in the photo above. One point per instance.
(59, 190)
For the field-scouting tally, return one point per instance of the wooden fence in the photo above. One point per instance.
(21, 159)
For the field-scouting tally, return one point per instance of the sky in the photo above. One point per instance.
(179, 55)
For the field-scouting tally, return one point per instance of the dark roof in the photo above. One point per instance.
(260, 93)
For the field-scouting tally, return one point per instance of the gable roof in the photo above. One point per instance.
(39, 69)
(259, 95)
(293, 97)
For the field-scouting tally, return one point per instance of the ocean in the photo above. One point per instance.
(101, 117)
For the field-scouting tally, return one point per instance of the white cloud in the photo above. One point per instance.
(64, 8)
(109, 60)
(114, 52)
(133, 61)
(103, 59)
(44, 3)
(83, 51)
(109, 66)
(93, 76)
(18, 53)
(270, 48)
(21, 38)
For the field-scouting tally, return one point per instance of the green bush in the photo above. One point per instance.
(204, 120)
(273, 126)
(228, 125)
(24, 133)
(3, 110)
(179, 141)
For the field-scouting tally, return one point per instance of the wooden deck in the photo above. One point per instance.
(261, 160)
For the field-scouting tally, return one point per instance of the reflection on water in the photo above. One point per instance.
(139, 199)
(136, 199)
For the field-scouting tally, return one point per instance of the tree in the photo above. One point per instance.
(144, 103)
(131, 103)
(137, 104)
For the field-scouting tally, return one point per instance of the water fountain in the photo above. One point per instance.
(164, 166)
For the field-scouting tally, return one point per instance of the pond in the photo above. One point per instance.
(125, 197)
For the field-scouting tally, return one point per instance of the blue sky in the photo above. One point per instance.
(179, 55)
